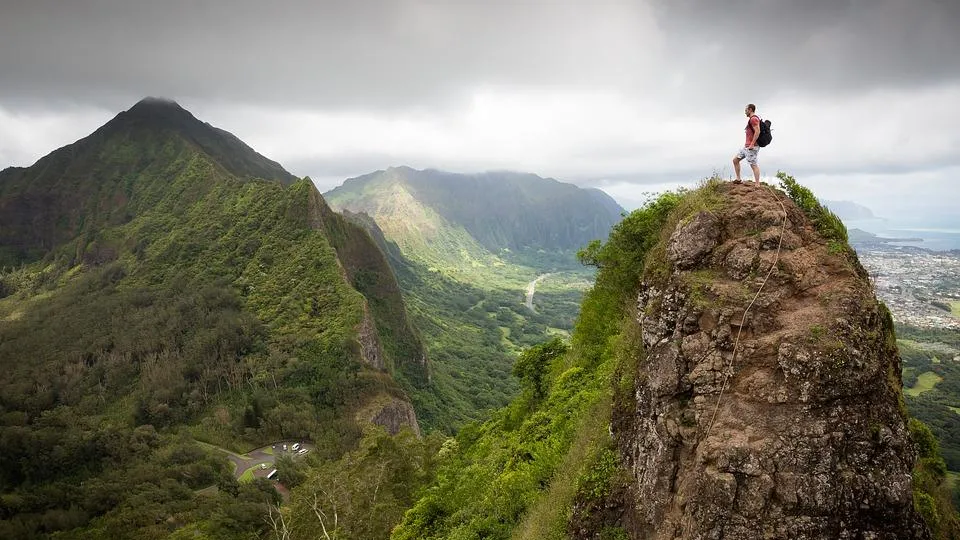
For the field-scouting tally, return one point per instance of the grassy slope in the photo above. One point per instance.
(466, 300)
(526, 471)
(512, 475)
(210, 302)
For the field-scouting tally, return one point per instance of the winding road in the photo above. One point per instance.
(254, 458)
(531, 288)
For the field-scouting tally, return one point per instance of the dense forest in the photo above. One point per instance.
(189, 309)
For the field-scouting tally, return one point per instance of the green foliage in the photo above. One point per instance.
(827, 223)
(622, 261)
(496, 210)
(938, 405)
(516, 474)
(188, 301)
(926, 506)
(473, 329)
(364, 494)
(291, 473)
(504, 465)
(926, 444)
(931, 495)
(596, 482)
(532, 364)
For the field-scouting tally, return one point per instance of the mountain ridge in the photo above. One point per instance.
(167, 300)
(84, 186)
(550, 214)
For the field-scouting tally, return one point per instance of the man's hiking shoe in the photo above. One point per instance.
(738, 181)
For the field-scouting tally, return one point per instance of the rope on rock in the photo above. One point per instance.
(736, 343)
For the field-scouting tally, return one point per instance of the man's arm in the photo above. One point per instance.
(755, 124)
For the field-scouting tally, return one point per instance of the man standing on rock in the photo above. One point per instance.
(750, 149)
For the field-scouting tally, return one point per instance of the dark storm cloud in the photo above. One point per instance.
(382, 54)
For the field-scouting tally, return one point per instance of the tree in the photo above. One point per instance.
(532, 364)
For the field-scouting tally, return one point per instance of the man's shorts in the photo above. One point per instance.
(750, 154)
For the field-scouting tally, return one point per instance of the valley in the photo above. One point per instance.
(920, 287)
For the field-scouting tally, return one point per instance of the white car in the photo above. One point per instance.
(296, 447)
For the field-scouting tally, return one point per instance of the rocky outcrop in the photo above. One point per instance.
(784, 422)
(370, 350)
(390, 413)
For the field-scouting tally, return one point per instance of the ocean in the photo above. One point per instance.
(935, 239)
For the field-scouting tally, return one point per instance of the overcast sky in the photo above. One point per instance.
(631, 97)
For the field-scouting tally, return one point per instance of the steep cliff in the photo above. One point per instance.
(731, 376)
(775, 414)
(161, 282)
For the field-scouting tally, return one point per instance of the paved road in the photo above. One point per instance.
(531, 288)
(265, 454)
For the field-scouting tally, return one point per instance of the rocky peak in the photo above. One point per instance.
(783, 420)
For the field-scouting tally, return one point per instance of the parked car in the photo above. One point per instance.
(296, 447)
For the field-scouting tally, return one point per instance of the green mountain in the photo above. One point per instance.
(466, 250)
(166, 291)
(87, 185)
(731, 375)
(463, 224)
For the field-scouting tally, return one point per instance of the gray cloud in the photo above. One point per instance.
(388, 54)
(609, 93)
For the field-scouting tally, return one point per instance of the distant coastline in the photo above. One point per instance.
(927, 239)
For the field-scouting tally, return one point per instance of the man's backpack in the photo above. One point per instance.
(765, 136)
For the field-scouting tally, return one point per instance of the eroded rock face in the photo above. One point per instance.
(369, 339)
(808, 439)
(395, 415)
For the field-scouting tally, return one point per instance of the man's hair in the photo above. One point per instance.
(752, 107)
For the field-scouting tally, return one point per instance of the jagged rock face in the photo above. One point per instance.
(809, 439)
(390, 413)
(369, 339)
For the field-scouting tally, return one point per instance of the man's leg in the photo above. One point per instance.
(736, 166)
(752, 160)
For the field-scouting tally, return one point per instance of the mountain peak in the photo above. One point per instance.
(157, 102)
(157, 112)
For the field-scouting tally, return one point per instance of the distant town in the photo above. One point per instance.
(921, 287)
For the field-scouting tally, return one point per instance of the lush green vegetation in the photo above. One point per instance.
(925, 382)
(827, 223)
(362, 495)
(931, 351)
(473, 329)
(495, 210)
(190, 305)
(932, 496)
(522, 472)
(472, 335)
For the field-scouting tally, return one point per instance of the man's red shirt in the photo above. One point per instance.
(753, 126)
